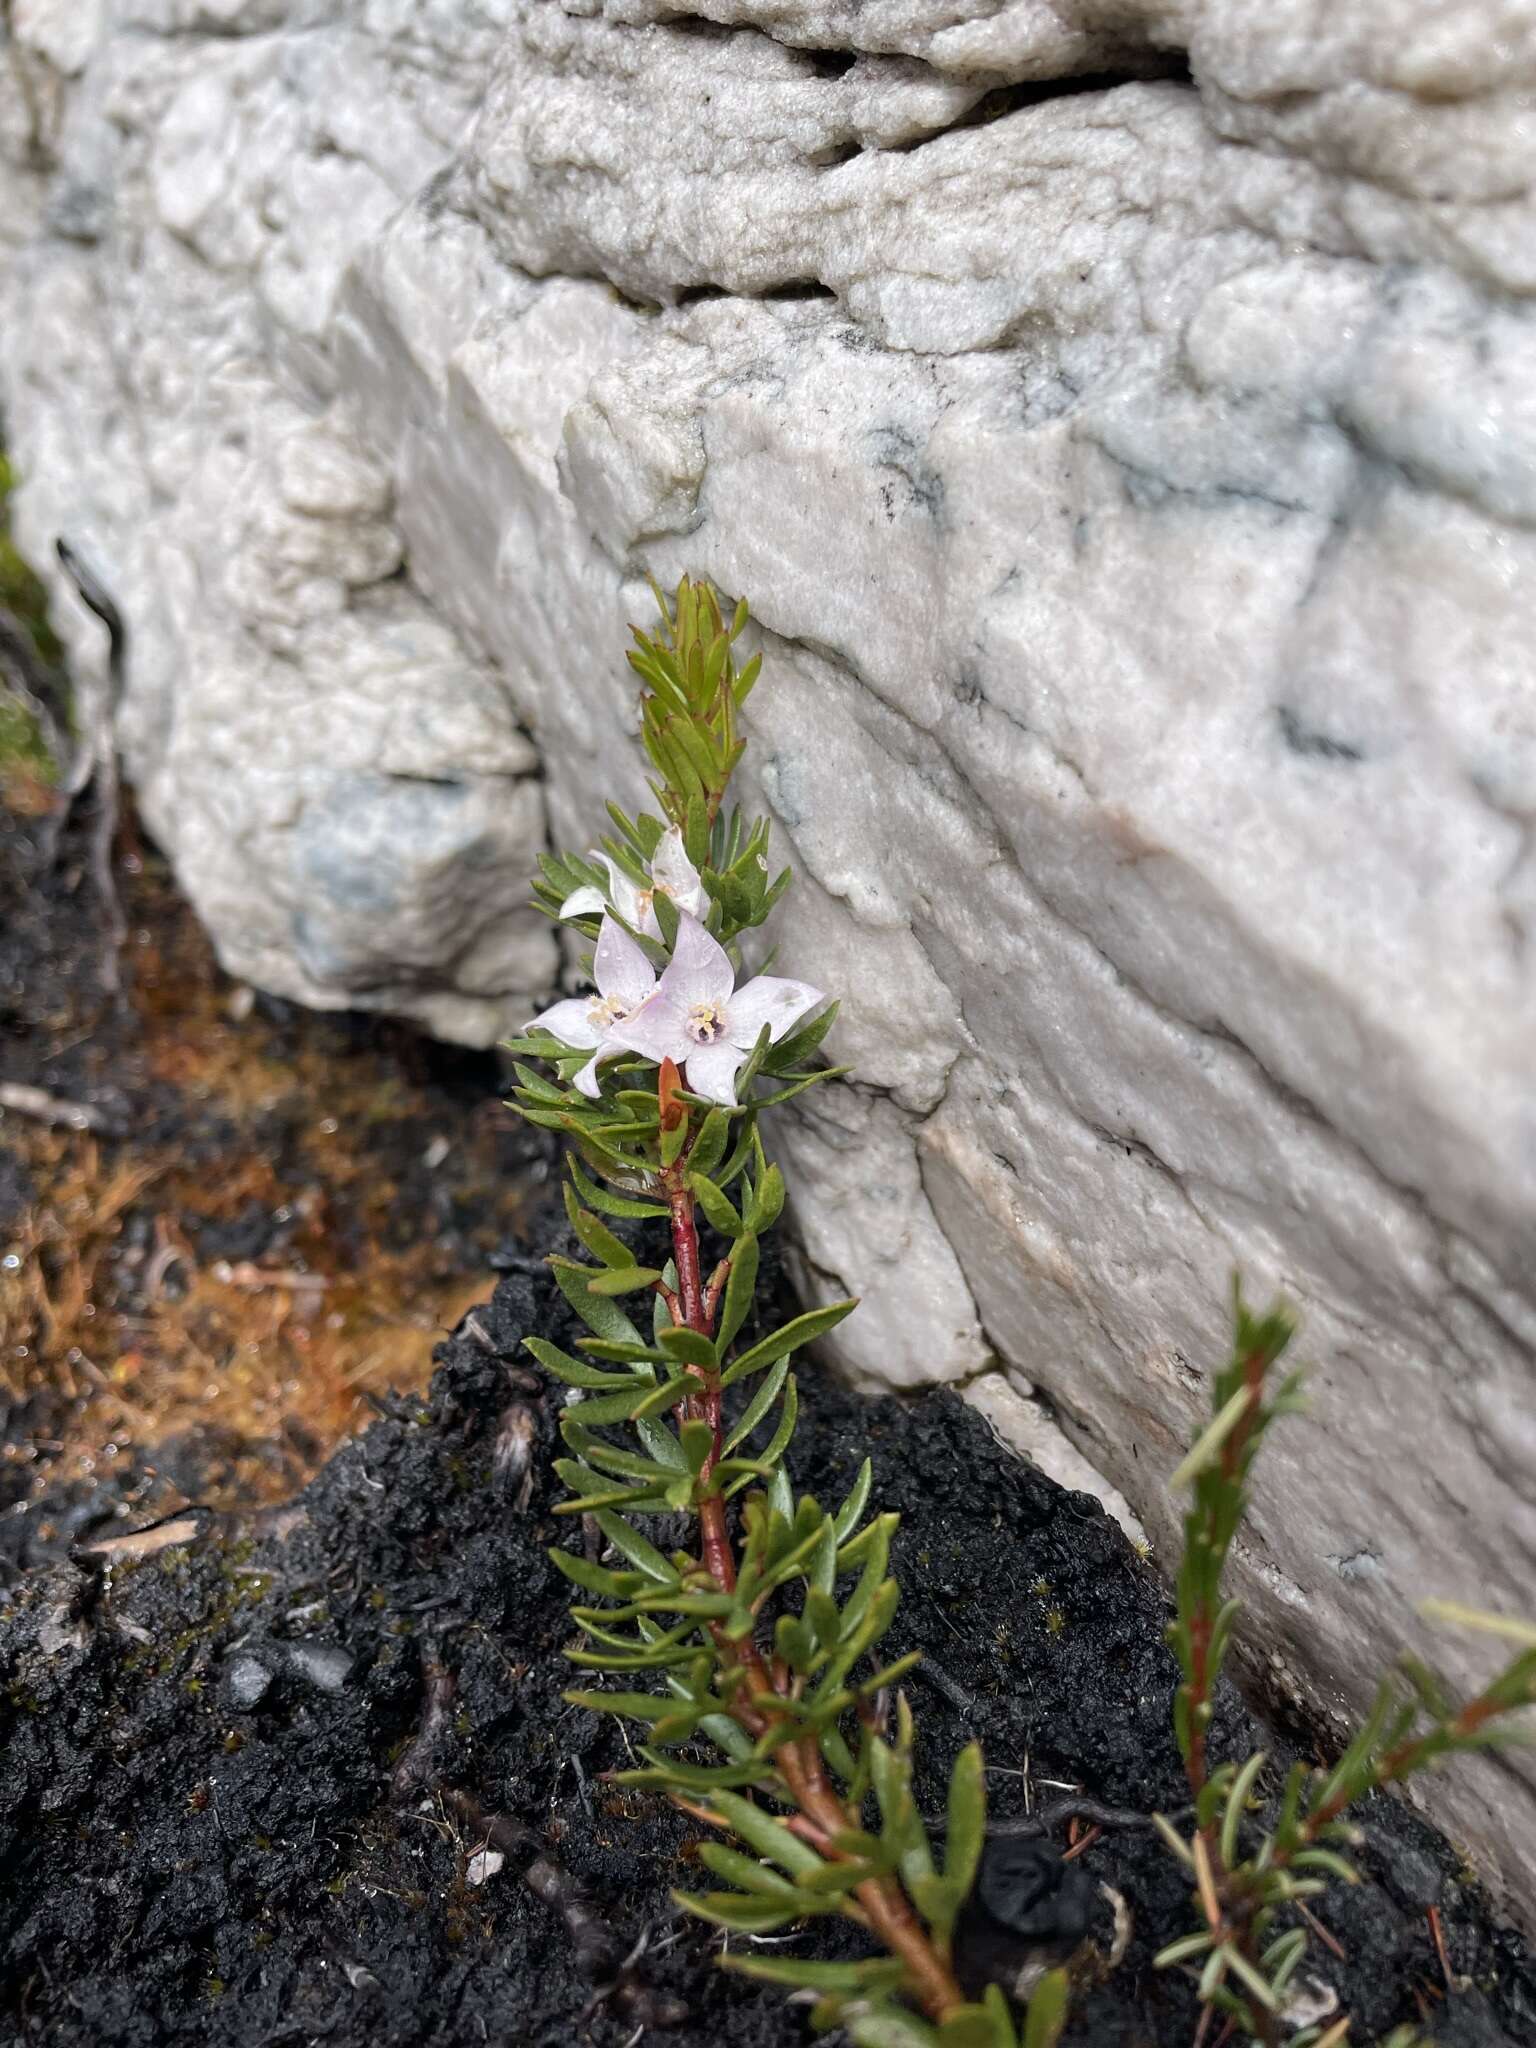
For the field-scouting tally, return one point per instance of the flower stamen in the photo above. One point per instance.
(705, 1023)
(604, 1012)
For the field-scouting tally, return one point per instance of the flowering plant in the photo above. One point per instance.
(1256, 1861)
(771, 1722)
(748, 1655)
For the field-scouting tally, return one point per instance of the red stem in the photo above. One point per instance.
(799, 1759)
(705, 1405)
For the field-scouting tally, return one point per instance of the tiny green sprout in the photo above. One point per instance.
(1258, 1853)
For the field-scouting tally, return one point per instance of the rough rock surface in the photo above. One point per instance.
(1120, 414)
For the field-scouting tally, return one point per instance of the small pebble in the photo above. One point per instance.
(246, 1681)
(326, 1666)
(483, 1864)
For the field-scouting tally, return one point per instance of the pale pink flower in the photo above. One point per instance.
(672, 874)
(624, 979)
(699, 1018)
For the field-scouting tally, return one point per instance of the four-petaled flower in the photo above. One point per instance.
(624, 979)
(698, 1017)
(672, 874)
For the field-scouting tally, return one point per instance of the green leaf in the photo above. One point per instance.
(1207, 1446)
(846, 1519)
(698, 1440)
(796, 1084)
(778, 1443)
(719, 1208)
(610, 1204)
(666, 918)
(594, 1233)
(626, 1280)
(660, 1400)
(769, 1837)
(661, 1443)
(794, 1050)
(971, 2026)
(593, 1492)
(641, 1402)
(563, 1367)
(635, 1353)
(741, 1915)
(768, 1202)
(1237, 1806)
(740, 1290)
(1256, 1986)
(966, 1835)
(688, 1347)
(890, 2026)
(751, 1067)
(803, 1329)
(1184, 1950)
(749, 1875)
(536, 1086)
(602, 1317)
(780, 1496)
(634, 1706)
(609, 1458)
(594, 1578)
(709, 1146)
(1047, 2013)
(873, 1973)
(641, 1553)
(759, 1405)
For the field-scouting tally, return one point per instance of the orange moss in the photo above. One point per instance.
(265, 1363)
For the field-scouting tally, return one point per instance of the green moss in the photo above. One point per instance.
(21, 589)
(24, 601)
(21, 743)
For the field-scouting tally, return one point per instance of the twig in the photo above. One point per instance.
(1075, 1808)
(1452, 1982)
(1325, 1935)
(415, 1766)
(56, 1109)
(598, 1955)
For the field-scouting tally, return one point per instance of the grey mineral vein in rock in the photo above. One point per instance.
(1120, 414)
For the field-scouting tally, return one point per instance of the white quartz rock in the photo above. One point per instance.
(1133, 470)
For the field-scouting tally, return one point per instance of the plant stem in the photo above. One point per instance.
(798, 1759)
(705, 1405)
(1202, 1622)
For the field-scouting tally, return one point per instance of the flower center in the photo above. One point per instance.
(705, 1023)
(603, 1012)
(643, 904)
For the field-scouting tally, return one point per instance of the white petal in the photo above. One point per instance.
(569, 1022)
(712, 1071)
(675, 874)
(624, 894)
(583, 902)
(770, 1000)
(622, 970)
(700, 971)
(586, 1080)
(656, 1029)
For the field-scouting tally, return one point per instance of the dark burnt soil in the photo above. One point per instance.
(245, 1773)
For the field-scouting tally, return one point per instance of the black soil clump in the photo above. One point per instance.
(252, 1776)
